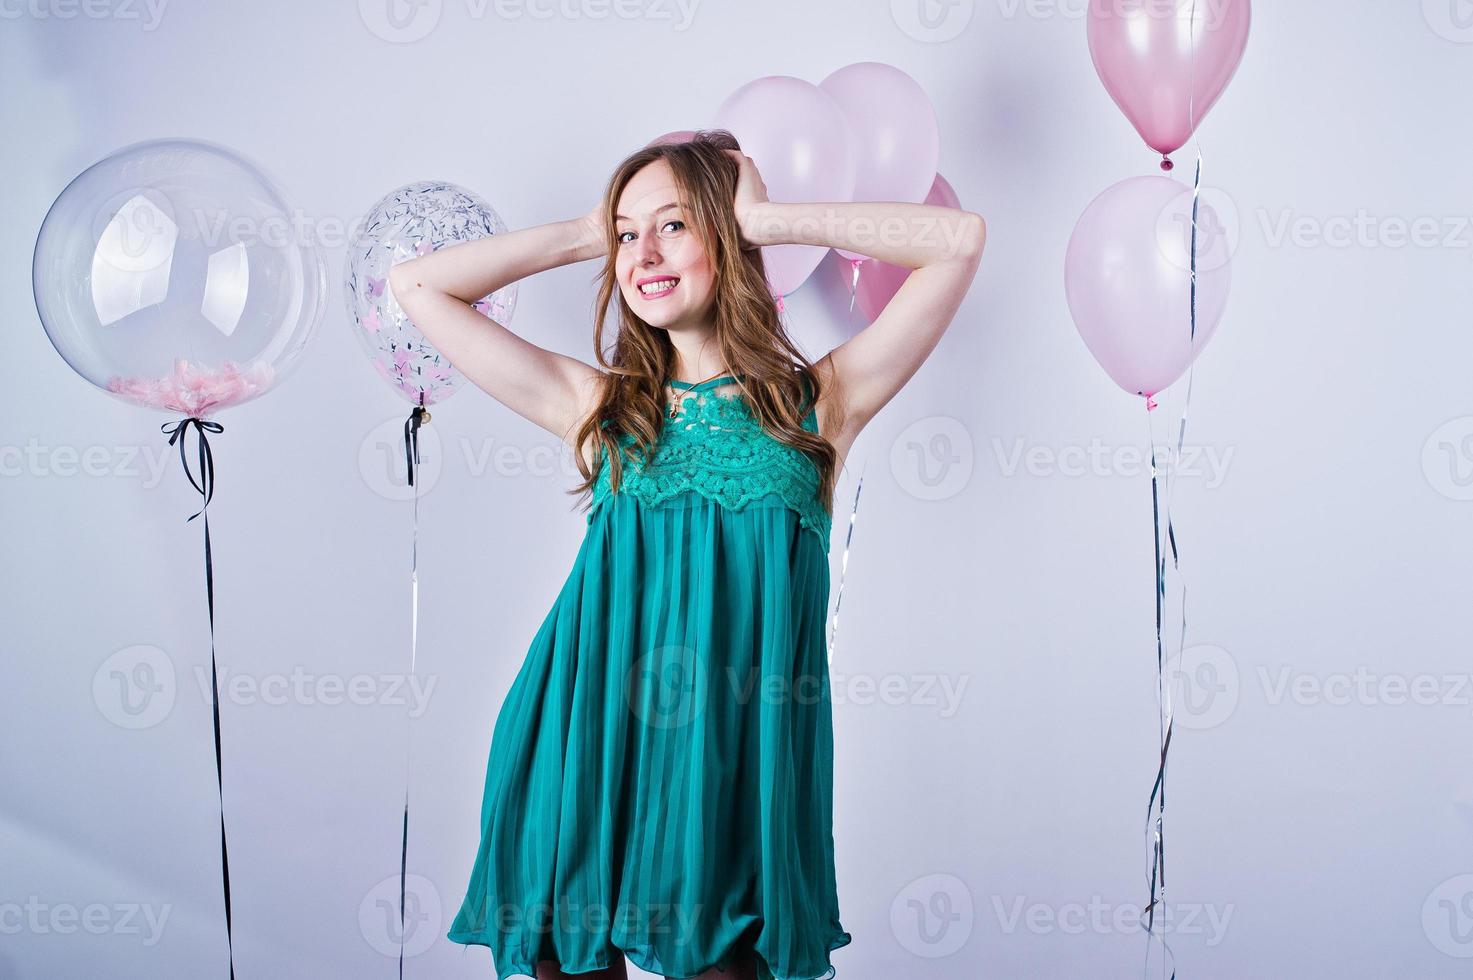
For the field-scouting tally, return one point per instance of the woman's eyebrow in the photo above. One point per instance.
(663, 207)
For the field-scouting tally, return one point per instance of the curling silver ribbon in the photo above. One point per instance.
(1156, 805)
(411, 452)
(854, 507)
(844, 561)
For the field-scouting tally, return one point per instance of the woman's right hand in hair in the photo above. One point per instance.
(751, 195)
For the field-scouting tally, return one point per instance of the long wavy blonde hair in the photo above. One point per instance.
(749, 335)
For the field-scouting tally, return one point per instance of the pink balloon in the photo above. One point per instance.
(1127, 278)
(897, 140)
(674, 136)
(880, 281)
(796, 134)
(1164, 67)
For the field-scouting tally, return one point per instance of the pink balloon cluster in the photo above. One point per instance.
(1146, 272)
(867, 132)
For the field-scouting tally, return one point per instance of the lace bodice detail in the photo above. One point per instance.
(715, 447)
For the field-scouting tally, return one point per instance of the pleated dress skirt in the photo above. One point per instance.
(660, 781)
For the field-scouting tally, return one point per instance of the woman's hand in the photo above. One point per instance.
(751, 194)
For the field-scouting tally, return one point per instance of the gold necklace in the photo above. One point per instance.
(675, 403)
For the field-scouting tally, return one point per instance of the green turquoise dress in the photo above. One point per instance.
(660, 781)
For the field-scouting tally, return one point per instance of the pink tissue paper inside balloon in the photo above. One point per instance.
(195, 389)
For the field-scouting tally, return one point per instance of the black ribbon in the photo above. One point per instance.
(206, 483)
(411, 439)
(206, 487)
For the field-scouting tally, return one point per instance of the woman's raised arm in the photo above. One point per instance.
(942, 245)
(436, 291)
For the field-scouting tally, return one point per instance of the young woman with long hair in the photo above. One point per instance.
(659, 787)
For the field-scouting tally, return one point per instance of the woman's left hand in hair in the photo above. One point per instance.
(751, 194)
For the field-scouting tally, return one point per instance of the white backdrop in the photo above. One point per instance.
(994, 669)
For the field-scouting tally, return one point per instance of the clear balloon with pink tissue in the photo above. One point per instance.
(174, 275)
(414, 220)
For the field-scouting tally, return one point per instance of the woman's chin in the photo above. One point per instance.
(657, 314)
(667, 323)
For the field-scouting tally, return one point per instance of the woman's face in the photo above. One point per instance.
(664, 272)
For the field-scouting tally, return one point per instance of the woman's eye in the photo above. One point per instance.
(679, 225)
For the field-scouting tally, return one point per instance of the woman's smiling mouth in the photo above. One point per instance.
(657, 287)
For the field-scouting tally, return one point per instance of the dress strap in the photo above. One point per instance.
(725, 379)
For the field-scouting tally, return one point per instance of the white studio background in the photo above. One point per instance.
(995, 665)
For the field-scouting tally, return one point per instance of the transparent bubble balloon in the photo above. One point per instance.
(174, 275)
(412, 221)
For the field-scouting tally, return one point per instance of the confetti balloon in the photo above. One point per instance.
(174, 275)
(412, 221)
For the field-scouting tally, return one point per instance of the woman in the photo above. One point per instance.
(660, 777)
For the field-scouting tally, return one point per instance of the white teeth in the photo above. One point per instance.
(664, 285)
